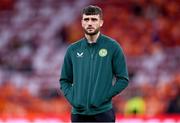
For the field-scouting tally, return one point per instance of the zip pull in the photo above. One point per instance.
(91, 55)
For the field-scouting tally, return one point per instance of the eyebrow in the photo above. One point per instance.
(88, 18)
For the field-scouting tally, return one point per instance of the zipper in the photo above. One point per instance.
(91, 52)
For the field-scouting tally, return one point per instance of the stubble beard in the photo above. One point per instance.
(92, 33)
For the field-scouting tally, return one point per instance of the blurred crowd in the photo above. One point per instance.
(34, 37)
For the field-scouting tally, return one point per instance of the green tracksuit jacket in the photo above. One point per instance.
(87, 75)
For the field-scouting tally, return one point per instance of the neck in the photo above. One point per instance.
(92, 38)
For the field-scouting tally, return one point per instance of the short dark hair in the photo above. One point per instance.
(92, 10)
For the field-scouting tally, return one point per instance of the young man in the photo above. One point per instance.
(88, 70)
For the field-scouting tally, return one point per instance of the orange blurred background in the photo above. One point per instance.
(34, 37)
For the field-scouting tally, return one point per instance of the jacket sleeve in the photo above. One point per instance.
(66, 79)
(120, 72)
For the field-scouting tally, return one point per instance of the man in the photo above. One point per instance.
(88, 70)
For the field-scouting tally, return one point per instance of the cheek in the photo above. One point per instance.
(84, 24)
(98, 25)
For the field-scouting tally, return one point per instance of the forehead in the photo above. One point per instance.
(90, 16)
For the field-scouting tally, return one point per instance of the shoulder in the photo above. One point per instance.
(111, 42)
(75, 45)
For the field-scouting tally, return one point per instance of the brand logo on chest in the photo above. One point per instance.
(79, 54)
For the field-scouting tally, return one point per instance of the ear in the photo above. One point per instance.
(81, 22)
(101, 23)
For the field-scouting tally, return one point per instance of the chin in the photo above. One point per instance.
(91, 33)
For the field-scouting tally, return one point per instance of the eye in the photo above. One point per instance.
(86, 19)
(94, 19)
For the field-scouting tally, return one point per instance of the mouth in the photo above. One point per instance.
(90, 28)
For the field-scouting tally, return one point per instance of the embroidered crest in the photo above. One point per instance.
(103, 52)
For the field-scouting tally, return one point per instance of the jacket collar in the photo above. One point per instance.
(86, 43)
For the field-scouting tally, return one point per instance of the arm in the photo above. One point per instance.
(66, 79)
(120, 72)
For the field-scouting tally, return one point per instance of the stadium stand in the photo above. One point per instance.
(34, 37)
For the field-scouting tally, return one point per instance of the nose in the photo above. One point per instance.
(89, 22)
